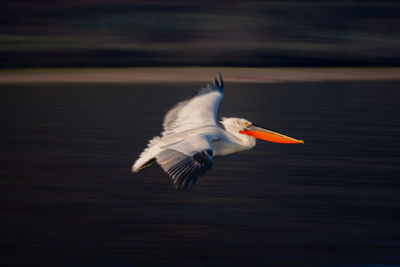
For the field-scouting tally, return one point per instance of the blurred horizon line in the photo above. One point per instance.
(197, 74)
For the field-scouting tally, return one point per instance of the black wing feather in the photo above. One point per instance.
(183, 169)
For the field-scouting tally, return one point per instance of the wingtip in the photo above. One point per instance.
(219, 84)
(221, 80)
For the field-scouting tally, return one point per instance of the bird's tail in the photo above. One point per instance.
(147, 157)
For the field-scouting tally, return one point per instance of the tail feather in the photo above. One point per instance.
(147, 157)
(144, 166)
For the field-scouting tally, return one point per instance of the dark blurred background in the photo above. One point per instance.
(67, 197)
(121, 33)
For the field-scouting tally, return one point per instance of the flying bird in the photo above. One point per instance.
(192, 137)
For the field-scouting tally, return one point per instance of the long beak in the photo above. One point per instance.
(267, 135)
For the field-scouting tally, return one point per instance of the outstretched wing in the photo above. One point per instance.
(184, 170)
(199, 110)
(186, 160)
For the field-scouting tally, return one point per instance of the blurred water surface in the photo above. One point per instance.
(68, 197)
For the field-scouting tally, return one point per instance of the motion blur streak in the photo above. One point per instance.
(230, 33)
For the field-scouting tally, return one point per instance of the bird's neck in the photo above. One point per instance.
(232, 144)
(246, 141)
(242, 140)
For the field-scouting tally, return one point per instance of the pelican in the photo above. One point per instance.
(192, 137)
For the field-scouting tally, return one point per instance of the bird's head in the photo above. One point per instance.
(238, 126)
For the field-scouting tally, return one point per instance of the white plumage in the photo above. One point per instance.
(192, 137)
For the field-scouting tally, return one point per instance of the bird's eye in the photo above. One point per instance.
(245, 123)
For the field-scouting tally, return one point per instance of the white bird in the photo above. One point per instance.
(192, 137)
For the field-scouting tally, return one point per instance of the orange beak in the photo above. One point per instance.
(267, 135)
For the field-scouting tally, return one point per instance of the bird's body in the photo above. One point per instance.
(192, 137)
